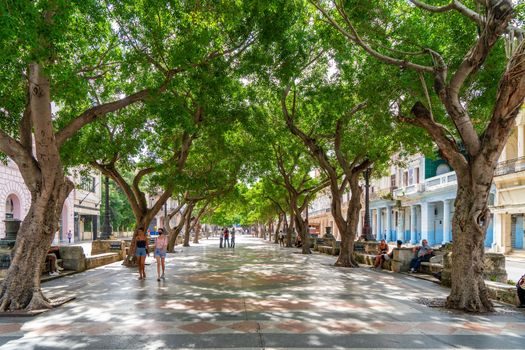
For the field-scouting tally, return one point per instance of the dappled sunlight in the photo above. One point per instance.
(272, 294)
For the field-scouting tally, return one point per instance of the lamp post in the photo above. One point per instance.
(367, 230)
(106, 225)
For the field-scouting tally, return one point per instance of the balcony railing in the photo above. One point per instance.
(440, 181)
(510, 166)
(408, 190)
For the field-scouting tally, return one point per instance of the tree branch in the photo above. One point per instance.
(355, 38)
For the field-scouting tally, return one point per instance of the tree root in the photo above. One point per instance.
(39, 302)
(346, 262)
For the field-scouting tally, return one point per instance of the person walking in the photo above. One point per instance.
(141, 252)
(226, 237)
(161, 245)
(281, 238)
(232, 241)
(69, 235)
(221, 238)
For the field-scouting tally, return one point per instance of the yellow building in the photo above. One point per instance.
(509, 205)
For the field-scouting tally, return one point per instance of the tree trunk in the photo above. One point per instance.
(348, 227)
(174, 233)
(187, 223)
(197, 233)
(21, 287)
(279, 223)
(289, 232)
(302, 231)
(469, 225)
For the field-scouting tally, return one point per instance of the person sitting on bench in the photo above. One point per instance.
(423, 253)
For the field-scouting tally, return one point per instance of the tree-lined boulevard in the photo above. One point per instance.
(243, 111)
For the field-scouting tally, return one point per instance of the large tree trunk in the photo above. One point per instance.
(469, 225)
(348, 227)
(21, 287)
(302, 231)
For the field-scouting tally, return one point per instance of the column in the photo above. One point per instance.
(379, 231)
(425, 220)
(413, 224)
(400, 224)
(389, 224)
(446, 222)
(496, 233)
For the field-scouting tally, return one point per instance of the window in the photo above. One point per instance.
(417, 175)
(393, 181)
(87, 183)
(410, 176)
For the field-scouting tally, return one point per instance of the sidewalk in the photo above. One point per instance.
(256, 296)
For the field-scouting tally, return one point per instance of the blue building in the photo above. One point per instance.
(415, 202)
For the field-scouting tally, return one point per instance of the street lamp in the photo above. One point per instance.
(106, 225)
(366, 233)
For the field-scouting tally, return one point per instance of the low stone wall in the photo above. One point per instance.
(502, 292)
(101, 260)
(109, 246)
(493, 269)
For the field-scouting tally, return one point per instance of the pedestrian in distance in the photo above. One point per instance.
(161, 246)
(281, 238)
(141, 251)
(232, 240)
(221, 239)
(69, 235)
(226, 237)
(520, 288)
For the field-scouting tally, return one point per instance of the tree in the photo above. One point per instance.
(70, 54)
(465, 99)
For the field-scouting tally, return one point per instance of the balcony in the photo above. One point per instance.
(385, 193)
(441, 181)
(408, 190)
(510, 166)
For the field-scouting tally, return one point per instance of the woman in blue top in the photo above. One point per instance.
(141, 252)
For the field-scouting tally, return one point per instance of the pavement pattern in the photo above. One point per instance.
(256, 296)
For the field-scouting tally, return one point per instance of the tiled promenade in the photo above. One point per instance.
(259, 296)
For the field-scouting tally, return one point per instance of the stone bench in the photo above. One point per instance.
(108, 246)
(369, 259)
(101, 260)
(502, 292)
(331, 247)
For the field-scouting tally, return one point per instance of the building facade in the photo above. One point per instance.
(17, 200)
(509, 179)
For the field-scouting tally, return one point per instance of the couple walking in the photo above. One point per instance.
(142, 250)
(225, 238)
